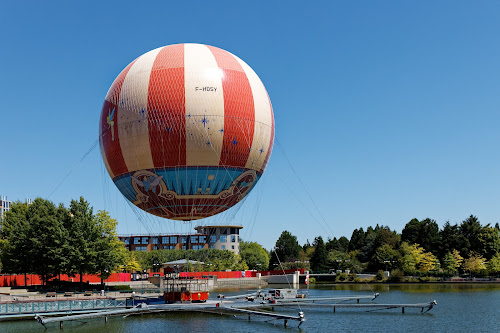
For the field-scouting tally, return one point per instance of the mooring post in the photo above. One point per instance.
(248, 317)
(106, 319)
(286, 322)
(402, 309)
(358, 300)
(333, 309)
(61, 324)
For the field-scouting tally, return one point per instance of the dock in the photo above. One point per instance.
(210, 306)
(371, 306)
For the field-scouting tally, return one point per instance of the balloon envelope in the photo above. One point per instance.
(186, 131)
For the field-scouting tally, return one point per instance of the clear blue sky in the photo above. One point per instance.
(387, 110)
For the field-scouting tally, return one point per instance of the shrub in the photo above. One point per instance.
(341, 277)
(379, 276)
(396, 275)
(119, 287)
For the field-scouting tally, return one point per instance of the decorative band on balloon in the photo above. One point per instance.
(216, 190)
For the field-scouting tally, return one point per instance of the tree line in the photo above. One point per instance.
(422, 248)
(48, 240)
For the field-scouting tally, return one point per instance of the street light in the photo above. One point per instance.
(156, 266)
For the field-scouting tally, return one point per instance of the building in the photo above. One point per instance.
(222, 237)
(4, 206)
(207, 237)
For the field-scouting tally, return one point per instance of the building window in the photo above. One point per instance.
(172, 247)
(213, 239)
(212, 246)
(233, 238)
(223, 247)
(233, 230)
(232, 247)
(183, 239)
(137, 240)
(164, 240)
(194, 239)
(173, 240)
(155, 240)
(126, 241)
(183, 247)
(203, 239)
(141, 248)
(145, 240)
(156, 247)
(223, 238)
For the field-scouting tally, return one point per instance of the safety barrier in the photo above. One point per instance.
(57, 306)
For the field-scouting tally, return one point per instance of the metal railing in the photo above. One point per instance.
(66, 305)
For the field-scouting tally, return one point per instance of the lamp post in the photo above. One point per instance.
(386, 263)
(156, 265)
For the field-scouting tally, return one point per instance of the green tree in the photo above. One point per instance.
(489, 241)
(130, 263)
(414, 258)
(83, 234)
(452, 261)
(34, 239)
(338, 259)
(15, 244)
(470, 229)
(428, 262)
(494, 264)
(385, 257)
(286, 249)
(425, 233)
(341, 244)
(357, 240)
(369, 246)
(474, 263)
(254, 255)
(384, 235)
(450, 239)
(305, 255)
(48, 238)
(109, 251)
(319, 259)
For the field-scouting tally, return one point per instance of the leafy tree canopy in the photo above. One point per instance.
(254, 255)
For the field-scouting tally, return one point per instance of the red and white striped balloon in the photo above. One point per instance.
(186, 131)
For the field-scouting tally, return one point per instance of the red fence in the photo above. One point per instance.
(32, 279)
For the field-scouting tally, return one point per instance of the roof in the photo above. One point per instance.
(182, 262)
(218, 226)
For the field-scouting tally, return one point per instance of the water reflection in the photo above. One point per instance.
(461, 307)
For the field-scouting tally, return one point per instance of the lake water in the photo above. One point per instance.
(460, 308)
